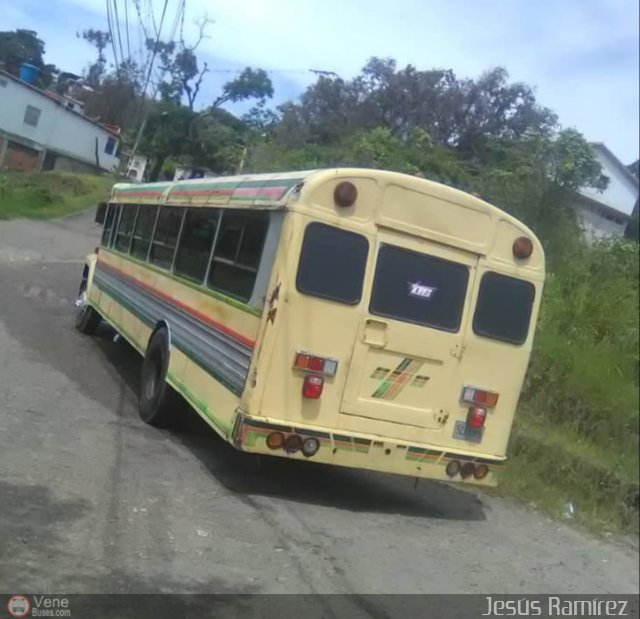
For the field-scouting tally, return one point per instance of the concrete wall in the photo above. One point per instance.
(622, 192)
(598, 222)
(57, 128)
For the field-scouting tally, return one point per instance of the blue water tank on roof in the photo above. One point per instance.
(28, 73)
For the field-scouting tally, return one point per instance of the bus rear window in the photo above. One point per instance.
(503, 310)
(418, 288)
(332, 264)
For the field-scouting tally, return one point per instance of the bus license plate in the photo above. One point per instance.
(463, 432)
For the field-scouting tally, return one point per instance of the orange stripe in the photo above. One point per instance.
(189, 310)
(401, 381)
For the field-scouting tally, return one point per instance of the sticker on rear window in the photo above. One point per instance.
(418, 289)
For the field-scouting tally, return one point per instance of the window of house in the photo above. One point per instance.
(237, 253)
(194, 248)
(332, 263)
(32, 115)
(143, 231)
(125, 227)
(110, 146)
(165, 237)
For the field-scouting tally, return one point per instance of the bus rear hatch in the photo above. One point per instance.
(405, 363)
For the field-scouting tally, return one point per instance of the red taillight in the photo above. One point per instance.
(312, 386)
(302, 361)
(476, 417)
(314, 363)
(471, 395)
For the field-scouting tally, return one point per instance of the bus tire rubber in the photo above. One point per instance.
(87, 319)
(158, 402)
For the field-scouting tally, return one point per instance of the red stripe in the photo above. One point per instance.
(189, 310)
(201, 192)
(120, 194)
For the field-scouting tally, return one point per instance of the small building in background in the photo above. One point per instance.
(184, 172)
(608, 213)
(136, 167)
(44, 130)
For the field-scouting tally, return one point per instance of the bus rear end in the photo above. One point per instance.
(390, 351)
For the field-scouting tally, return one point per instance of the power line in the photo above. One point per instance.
(146, 84)
(176, 21)
(113, 43)
(126, 21)
(115, 8)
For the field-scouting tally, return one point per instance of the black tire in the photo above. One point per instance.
(87, 319)
(158, 402)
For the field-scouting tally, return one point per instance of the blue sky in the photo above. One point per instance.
(580, 55)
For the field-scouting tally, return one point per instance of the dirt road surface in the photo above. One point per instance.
(93, 500)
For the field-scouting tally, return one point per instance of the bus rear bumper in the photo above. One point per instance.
(364, 451)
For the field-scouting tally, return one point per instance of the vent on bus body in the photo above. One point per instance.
(309, 362)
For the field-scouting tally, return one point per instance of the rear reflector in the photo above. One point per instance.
(482, 470)
(467, 470)
(476, 417)
(471, 395)
(312, 386)
(315, 363)
(453, 468)
(292, 443)
(310, 446)
(275, 440)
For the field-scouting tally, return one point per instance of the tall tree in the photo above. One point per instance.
(100, 40)
(20, 46)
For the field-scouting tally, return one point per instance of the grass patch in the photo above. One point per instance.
(45, 195)
(550, 465)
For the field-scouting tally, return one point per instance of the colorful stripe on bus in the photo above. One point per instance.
(224, 353)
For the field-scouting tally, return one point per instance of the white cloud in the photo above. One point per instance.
(580, 54)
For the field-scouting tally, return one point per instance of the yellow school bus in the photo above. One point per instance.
(353, 317)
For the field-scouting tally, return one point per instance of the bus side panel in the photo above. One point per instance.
(211, 344)
(300, 324)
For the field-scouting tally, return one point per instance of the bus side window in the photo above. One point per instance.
(237, 253)
(143, 231)
(194, 248)
(165, 236)
(116, 219)
(108, 224)
(125, 228)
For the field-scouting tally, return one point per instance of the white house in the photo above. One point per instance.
(43, 131)
(136, 166)
(607, 213)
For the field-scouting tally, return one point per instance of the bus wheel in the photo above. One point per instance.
(87, 319)
(158, 401)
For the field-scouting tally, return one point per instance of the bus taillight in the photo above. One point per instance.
(476, 417)
(312, 386)
(471, 395)
(315, 363)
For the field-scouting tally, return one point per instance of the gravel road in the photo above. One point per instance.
(92, 500)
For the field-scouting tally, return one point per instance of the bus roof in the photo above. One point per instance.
(408, 203)
(269, 190)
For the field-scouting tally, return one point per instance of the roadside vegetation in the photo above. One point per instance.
(576, 434)
(46, 195)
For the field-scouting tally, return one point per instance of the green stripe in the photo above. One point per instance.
(223, 380)
(199, 287)
(198, 404)
(386, 385)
